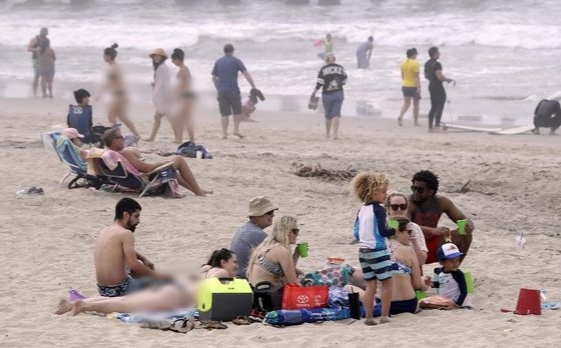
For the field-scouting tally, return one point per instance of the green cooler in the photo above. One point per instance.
(224, 299)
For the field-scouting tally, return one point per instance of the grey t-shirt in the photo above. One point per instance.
(247, 238)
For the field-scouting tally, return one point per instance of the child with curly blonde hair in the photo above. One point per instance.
(371, 232)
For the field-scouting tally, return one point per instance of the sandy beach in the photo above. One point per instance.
(47, 241)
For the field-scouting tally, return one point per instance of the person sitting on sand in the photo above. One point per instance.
(448, 279)
(113, 140)
(272, 261)
(427, 208)
(251, 234)
(548, 115)
(406, 270)
(115, 255)
(396, 205)
(223, 263)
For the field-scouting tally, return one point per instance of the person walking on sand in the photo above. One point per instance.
(410, 86)
(225, 79)
(162, 95)
(331, 79)
(34, 47)
(433, 73)
(185, 98)
(364, 52)
(46, 64)
(115, 87)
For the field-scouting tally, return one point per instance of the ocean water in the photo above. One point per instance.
(504, 55)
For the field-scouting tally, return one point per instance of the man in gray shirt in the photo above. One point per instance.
(251, 234)
(364, 52)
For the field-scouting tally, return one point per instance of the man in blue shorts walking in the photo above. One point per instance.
(225, 79)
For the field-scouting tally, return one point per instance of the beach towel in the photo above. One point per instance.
(170, 316)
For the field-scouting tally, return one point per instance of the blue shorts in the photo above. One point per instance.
(332, 103)
(405, 306)
(410, 92)
(375, 264)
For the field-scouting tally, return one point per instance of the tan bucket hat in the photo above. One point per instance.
(259, 206)
(159, 52)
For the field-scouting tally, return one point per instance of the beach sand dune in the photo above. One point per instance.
(46, 241)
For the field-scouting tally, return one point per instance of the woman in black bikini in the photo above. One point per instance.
(116, 88)
(185, 96)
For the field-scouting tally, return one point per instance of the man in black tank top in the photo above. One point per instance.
(34, 47)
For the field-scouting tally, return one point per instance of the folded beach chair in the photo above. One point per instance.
(154, 182)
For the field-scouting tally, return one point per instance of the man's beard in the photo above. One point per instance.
(132, 228)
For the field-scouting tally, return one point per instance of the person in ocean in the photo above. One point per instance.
(364, 53)
(327, 47)
(115, 87)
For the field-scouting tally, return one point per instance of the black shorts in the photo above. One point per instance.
(230, 103)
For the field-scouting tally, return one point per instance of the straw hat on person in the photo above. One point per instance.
(158, 52)
(259, 206)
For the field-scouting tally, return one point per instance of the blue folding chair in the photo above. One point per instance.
(153, 182)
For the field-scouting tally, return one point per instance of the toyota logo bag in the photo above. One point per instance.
(300, 297)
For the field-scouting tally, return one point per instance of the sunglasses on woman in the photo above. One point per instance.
(395, 207)
(296, 231)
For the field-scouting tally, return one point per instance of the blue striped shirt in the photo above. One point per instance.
(370, 227)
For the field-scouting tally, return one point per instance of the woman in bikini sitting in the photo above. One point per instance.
(115, 86)
(185, 98)
(407, 272)
(272, 261)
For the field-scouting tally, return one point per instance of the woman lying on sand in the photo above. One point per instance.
(223, 263)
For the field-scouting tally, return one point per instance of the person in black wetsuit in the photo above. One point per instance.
(548, 115)
(433, 73)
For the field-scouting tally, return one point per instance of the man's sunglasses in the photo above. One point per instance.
(418, 189)
(272, 212)
(395, 207)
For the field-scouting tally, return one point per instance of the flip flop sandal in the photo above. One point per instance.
(157, 325)
(241, 320)
(182, 325)
(211, 325)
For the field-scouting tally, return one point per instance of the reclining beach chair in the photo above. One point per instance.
(154, 182)
(67, 154)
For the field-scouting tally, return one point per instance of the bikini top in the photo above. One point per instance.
(401, 268)
(270, 266)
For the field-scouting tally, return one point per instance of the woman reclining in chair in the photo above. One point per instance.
(113, 140)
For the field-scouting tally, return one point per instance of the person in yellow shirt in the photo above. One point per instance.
(410, 86)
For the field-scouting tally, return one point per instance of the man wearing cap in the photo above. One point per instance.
(410, 86)
(34, 47)
(113, 140)
(225, 79)
(250, 235)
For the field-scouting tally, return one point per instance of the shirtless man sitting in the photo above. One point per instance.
(115, 255)
(427, 208)
(113, 140)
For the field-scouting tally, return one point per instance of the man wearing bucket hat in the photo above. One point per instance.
(225, 79)
(251, 234)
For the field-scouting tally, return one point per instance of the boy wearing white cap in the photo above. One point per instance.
(449, 280)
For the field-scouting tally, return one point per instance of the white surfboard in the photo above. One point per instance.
(514, 131)
(446, 126)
